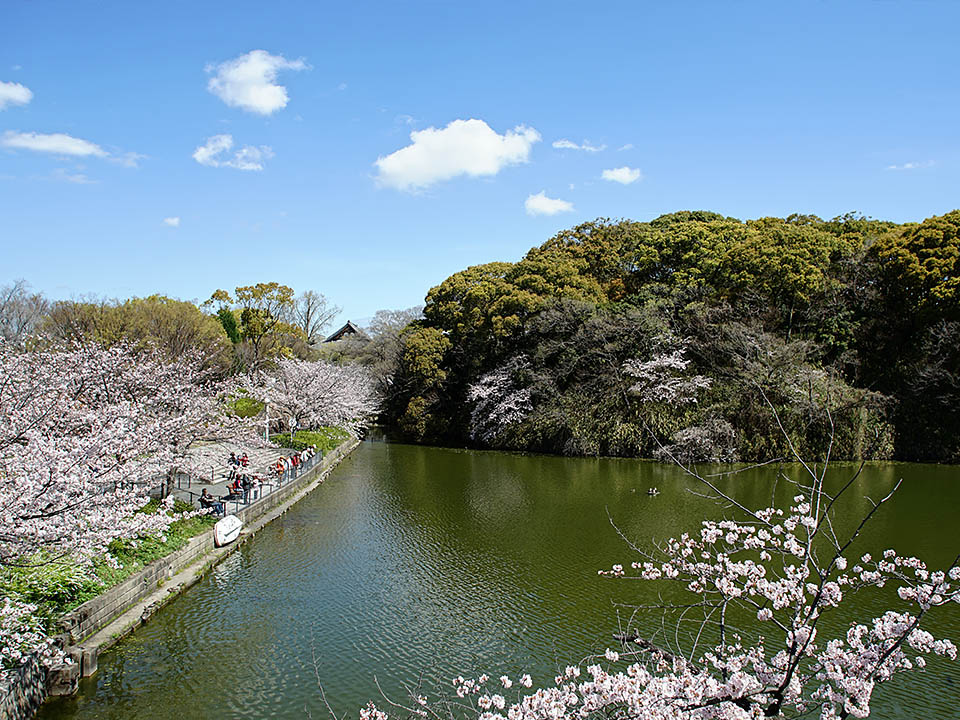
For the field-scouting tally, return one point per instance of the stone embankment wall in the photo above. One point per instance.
(112, 615)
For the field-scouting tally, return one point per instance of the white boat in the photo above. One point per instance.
(226, 530)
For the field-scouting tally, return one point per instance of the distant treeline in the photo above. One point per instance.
(243, 332)
(697, 336)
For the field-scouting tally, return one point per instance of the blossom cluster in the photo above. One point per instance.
(22, 635)
(664, 378)
(499, 399)
(317, 393)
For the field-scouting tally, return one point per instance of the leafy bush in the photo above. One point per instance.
(133, 555)
(325, 438)
(54, 586)
(246, 407)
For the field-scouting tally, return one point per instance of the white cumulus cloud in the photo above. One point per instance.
(463, 147)
(54, 143)
(623, 175)
(249, 81)
(172, 221)
(585, 146)
(218, 152)
(540, 204)
(12, 93)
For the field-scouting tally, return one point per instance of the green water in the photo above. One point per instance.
(415, 561)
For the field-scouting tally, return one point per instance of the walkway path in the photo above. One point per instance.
(212, 470)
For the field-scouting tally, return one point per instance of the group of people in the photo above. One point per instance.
(246, 485)
(243, 485)
(292, 462)
(236, 462)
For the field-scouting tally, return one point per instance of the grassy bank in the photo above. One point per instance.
(325, 438)
(58, 585)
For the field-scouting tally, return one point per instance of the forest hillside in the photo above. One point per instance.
(678, 337)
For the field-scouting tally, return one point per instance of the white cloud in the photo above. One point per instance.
(623, 175)
(67, 176)
(12, 93)
(206, 154)
(540, 204)
(55, 143)
(911, 165)
(248, 82)
(248, 157)
(586, 146)
(628, 146)
(464, 147)
(172, 221)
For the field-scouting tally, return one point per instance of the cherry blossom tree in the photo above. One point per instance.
(664, 377)
(317, 393)
(85, 434)
(21, 636)
(499, 399)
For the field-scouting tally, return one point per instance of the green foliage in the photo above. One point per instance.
(827, 323)
(424, 353)
(325, 438)
(54, 586)
(417, 418)
(133, 555)
(478, 301)
(921, 266)
(260, 321)
(246, 407)
(173, 326)
(229, 322)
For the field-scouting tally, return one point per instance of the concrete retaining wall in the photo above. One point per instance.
(101, 610)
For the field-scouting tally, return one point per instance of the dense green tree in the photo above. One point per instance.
(266, 327)
(422, 373)
(228, 320)
(921, 267)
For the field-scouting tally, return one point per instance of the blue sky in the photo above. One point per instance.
(115, 117)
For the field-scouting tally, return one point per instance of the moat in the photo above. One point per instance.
(416, 560)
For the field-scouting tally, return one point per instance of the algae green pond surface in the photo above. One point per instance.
(416, 561)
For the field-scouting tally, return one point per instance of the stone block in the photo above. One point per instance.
(88, 660)
(63, 679)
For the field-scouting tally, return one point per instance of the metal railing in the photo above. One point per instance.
(232, 504)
